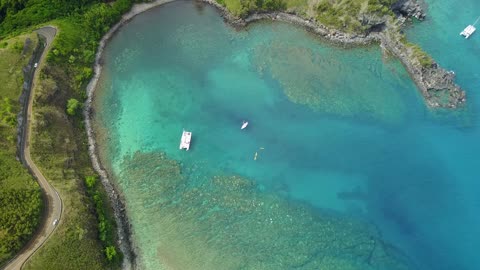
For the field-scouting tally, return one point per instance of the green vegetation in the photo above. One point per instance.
(19, 215)
(424, 58)
(416, 52)
(72, 106)
(350, 16)
(111, 253)
(60, 148)
(18, 15)
(413, 50)
(106, 229)
(353, 16)
(86, 236)
(242, 8)
(20, 198)
(7, 114)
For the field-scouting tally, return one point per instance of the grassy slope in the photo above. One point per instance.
(233, 5)
(76, 240)
(242, 8)
(59, 148)
(354, 16)
(19, 193)
(59, 145)
(349, 16)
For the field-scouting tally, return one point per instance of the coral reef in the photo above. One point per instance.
(226, 222)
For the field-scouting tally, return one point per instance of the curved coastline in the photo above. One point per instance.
(432, 81)
(123, 226)
(425, 79)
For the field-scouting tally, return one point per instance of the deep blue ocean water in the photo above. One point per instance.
(346, 149)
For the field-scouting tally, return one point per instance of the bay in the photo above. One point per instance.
(349, 162)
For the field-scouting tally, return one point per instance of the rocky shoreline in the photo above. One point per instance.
(431, 81)
(311, 25)
(434, 82)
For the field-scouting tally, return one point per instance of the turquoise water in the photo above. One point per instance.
(352, 171)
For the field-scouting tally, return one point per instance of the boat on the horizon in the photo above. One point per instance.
(244, 125)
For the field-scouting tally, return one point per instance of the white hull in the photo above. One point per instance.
(244, 125)
(186, 139)
(468, 31)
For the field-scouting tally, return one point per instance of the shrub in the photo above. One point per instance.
(18, 46)
(7, 114)
(72, 106)
(110, 252)
(90, 181)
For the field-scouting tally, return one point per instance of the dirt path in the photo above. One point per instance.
(53, 203)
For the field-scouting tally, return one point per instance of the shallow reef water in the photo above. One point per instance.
(226, 222)
(341, 166)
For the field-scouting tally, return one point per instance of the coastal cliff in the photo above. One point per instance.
(381, 23)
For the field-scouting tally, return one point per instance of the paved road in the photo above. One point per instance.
(53, 208)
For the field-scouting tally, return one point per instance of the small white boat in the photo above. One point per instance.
(186, 139)
(468, 31)
(244, 124)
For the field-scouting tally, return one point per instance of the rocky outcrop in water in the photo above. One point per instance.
(435, 83)
(439, 88)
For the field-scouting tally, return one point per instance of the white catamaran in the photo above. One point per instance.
(469, 30)
(186, 139)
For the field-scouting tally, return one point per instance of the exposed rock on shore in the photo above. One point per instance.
(409, 8)
(435, 83)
